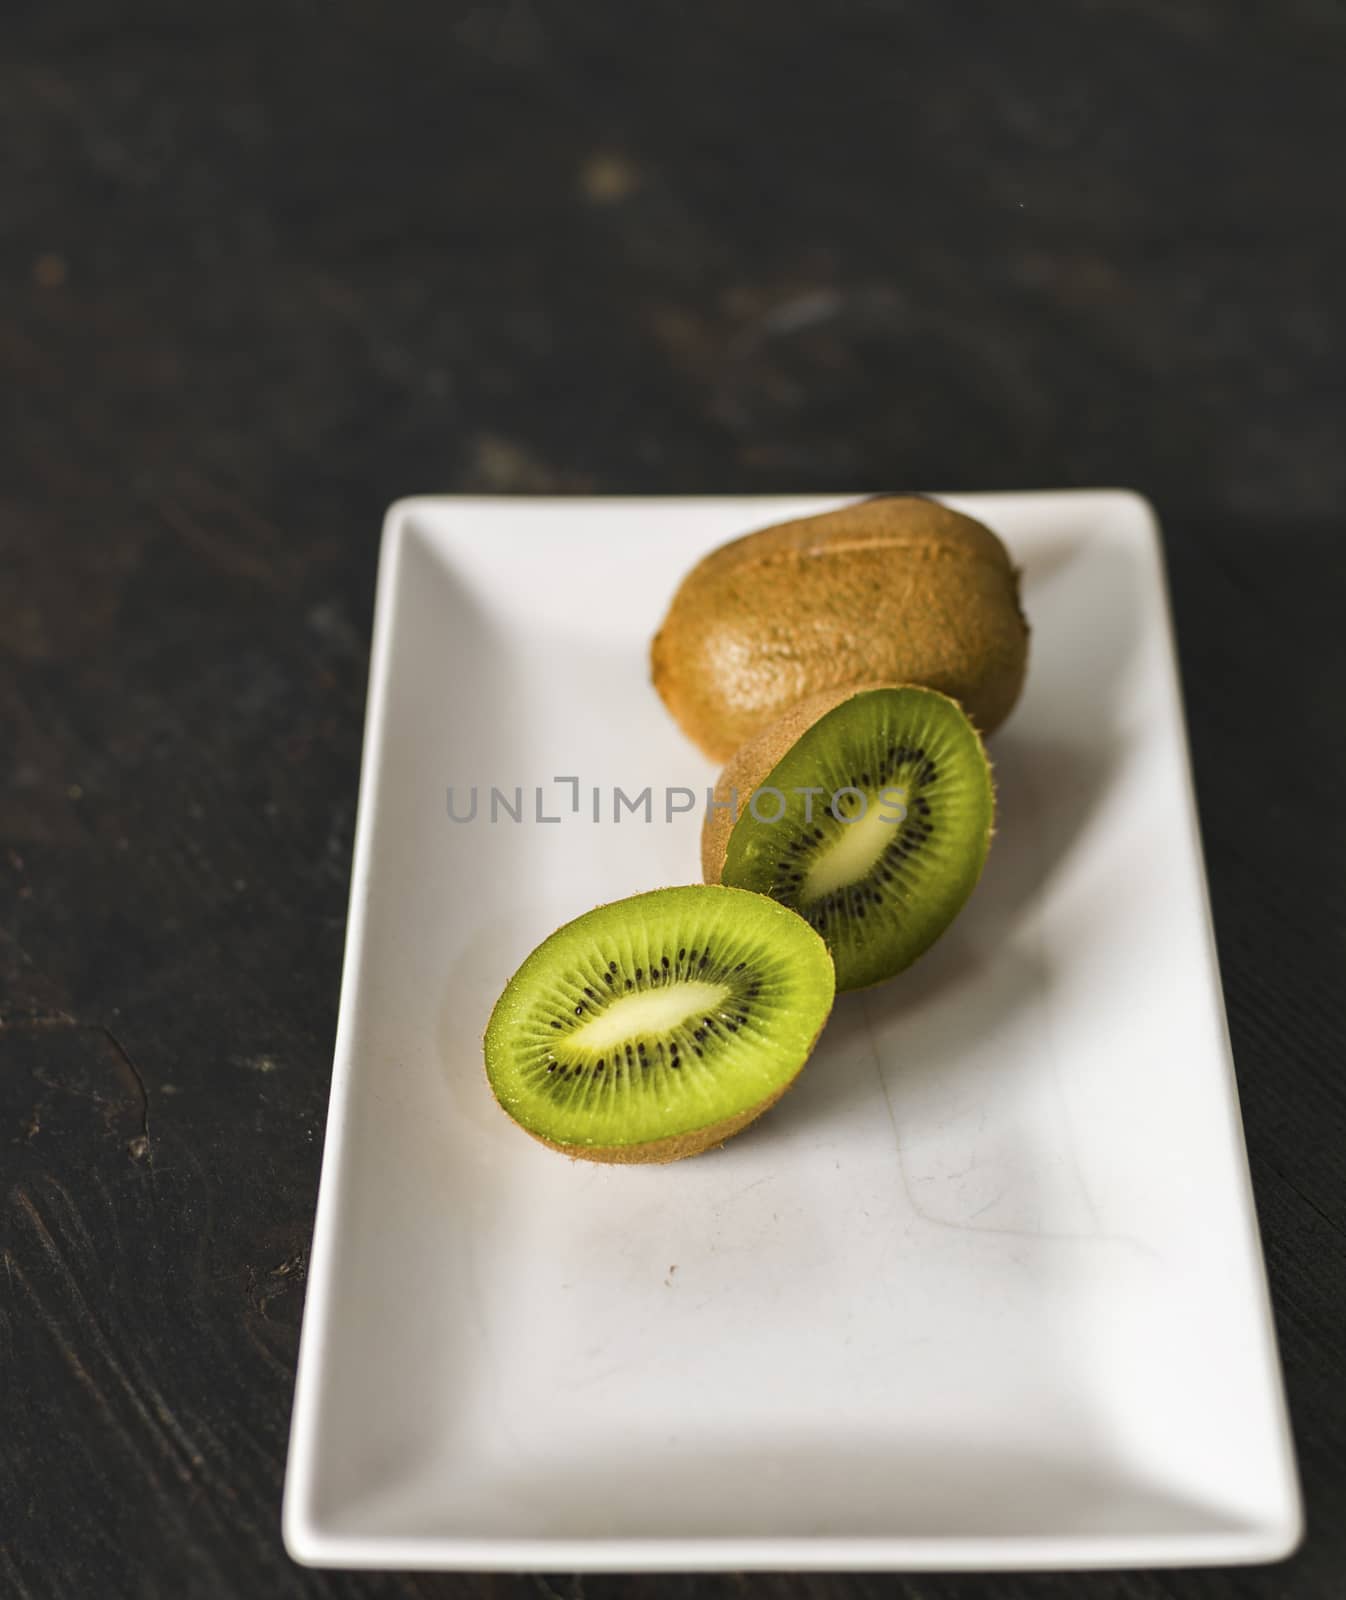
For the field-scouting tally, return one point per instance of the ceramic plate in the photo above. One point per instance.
(984, 1290)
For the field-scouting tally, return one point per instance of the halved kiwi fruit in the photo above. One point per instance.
(655, 1027)
(869, 813)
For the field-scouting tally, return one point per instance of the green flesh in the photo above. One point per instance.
(880, 892)
(657, 1016)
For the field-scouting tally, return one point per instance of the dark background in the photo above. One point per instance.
(266, 268)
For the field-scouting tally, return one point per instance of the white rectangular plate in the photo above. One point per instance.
(983, 1291)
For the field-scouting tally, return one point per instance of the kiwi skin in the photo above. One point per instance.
(678, 1146)
(751, 765)
(898, 589)
(693, 1142)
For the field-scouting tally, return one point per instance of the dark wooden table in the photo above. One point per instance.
(268, 266)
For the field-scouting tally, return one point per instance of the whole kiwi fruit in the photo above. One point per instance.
(896, 589)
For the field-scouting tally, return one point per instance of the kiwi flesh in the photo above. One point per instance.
(885, 852)
(655, 1027)
(898, 589)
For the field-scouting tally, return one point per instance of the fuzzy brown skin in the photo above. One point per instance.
(898, 589)
(751, 764)
(676, 1148)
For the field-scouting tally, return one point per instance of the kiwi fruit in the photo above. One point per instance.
(897, 589)
(655, 1027)
(884, 851)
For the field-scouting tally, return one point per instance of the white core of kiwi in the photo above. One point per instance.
(853, 854)
(650, 1013)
